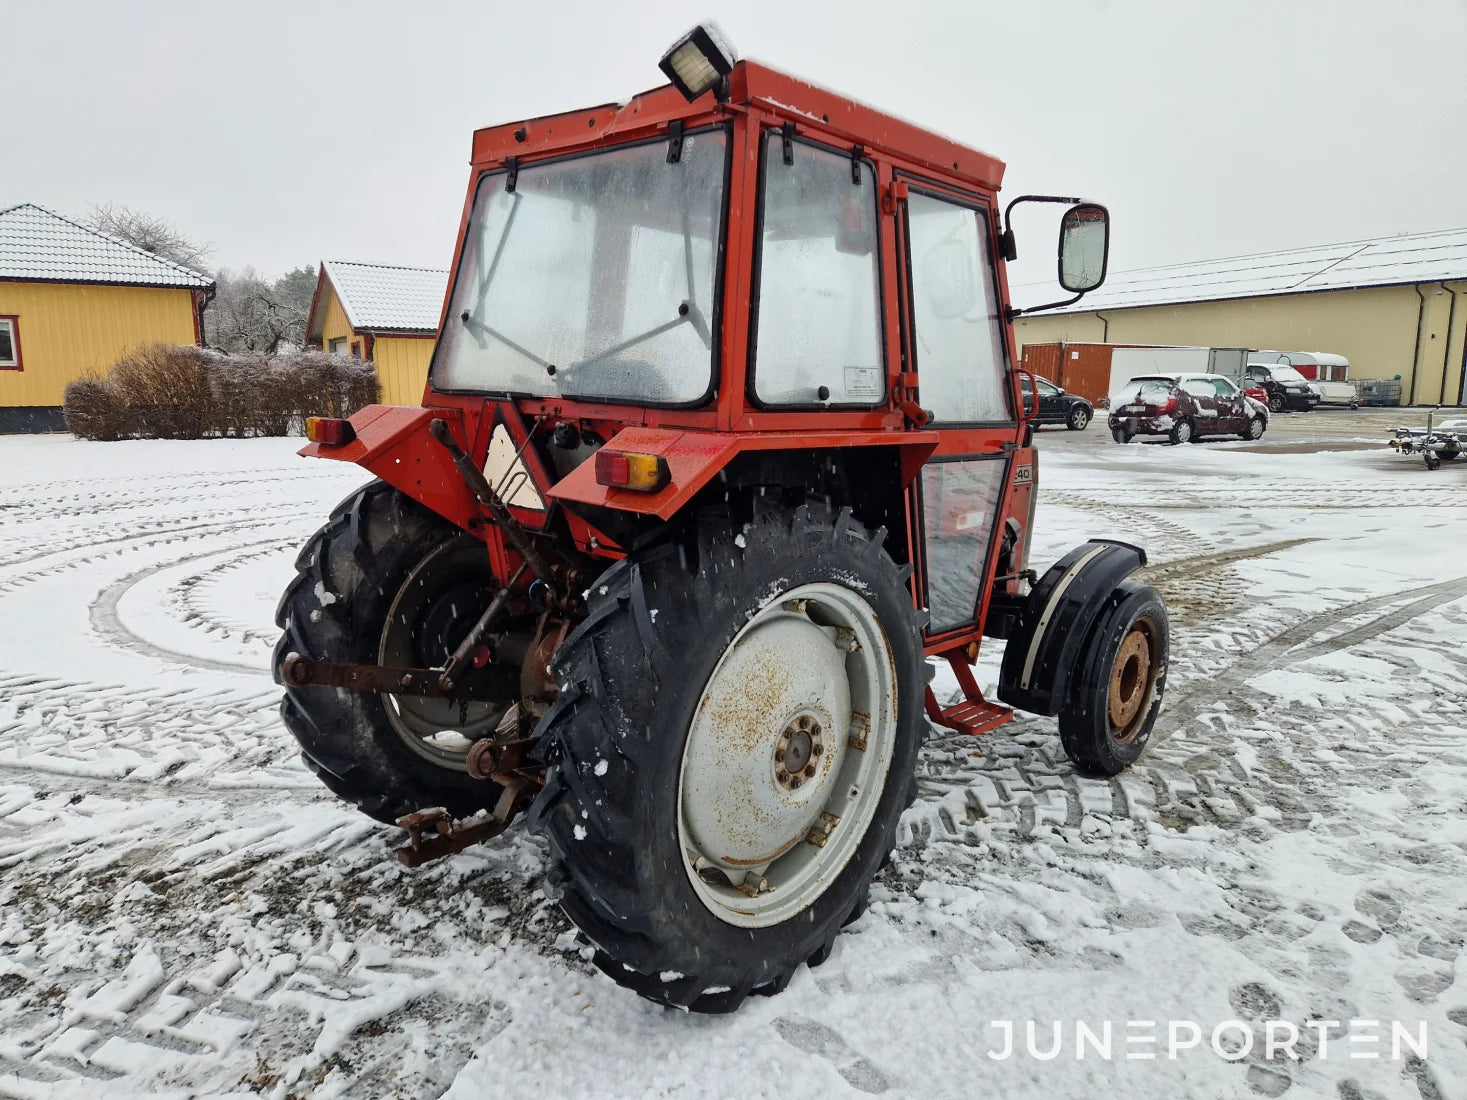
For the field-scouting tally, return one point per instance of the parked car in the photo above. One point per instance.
(1185, 408)
(1287, 388)
(1056, 406)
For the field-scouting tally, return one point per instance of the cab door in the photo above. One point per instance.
(954, 341)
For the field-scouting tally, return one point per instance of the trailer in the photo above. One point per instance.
(1434, 443)
(1327, 373)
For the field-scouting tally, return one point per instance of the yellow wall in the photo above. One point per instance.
(334, 325)
(401, 361)
(402, 367)
(1375, 329)
(69, 329)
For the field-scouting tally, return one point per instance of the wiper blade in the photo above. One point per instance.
(476, 327)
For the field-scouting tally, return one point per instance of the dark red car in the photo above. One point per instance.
(1185, 408)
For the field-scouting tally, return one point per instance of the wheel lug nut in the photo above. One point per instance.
(810, 771)
(795, 782)
(817, 748)
(779, 756)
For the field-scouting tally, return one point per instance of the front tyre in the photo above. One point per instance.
(1116, 691)
(735, 740)
(1254, 428)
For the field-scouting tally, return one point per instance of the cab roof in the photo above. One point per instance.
(752, 87)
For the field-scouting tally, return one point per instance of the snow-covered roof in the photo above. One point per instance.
(383, 297)
(1386, 261)
(41, 245)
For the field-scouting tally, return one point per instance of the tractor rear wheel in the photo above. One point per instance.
(735, 739)
(1116, 691)
(386, 581)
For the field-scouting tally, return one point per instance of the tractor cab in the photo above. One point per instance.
(722, 440)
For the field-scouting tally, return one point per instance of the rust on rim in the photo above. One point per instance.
(1131, 681)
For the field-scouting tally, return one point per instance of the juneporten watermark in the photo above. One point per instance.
(1231, 1040)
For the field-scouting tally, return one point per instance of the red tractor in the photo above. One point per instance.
(722, 442)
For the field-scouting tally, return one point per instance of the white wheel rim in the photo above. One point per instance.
(808, 684)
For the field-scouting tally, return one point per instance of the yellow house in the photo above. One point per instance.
(386, 314)
(74, 301)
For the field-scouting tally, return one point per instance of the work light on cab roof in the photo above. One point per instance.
(698, 61)
(722, 441)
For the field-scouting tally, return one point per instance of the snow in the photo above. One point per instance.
(40, 244)
(1385, 261)
(184, 910)
(382, 296)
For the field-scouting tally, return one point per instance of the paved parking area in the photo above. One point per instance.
(1321, 430)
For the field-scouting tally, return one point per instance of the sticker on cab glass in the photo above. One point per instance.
(863, 383)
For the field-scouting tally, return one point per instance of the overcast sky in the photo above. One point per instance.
(282, 133)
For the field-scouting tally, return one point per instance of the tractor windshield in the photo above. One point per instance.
(593, 276)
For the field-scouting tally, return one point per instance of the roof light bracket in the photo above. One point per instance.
(787, 138)
(674, 141)
(858, 154)
(512, 177)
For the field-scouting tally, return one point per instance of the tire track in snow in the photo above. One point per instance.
(106, 621)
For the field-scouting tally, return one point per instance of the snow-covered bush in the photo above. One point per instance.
(169, 391)
(94, 409)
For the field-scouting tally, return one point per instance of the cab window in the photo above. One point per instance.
(817, 337)
(957, 333)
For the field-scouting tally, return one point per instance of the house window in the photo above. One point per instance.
(338, 346)
(9, 343)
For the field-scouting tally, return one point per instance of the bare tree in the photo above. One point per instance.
(150, 233)
(250, 314)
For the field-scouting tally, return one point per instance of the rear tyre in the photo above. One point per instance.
(1254, 429)
(1182, 432)
(370, 586)
(717, 799)
(1120, 435)
(1116, 691)
(1078, 418)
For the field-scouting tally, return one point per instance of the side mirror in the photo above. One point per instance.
(1084, 247)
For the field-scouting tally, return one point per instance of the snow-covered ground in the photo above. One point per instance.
(184, 911)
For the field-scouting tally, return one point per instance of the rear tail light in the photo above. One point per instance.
(1171, 404)
(642, 473)
(329, 430)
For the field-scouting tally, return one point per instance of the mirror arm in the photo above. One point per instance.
(1008, 211)
(1010, 312)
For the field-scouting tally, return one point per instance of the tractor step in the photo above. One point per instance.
(973, 716)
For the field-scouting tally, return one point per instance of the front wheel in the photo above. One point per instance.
(1078, 418)
(735, 740)
(1116, 691)
(1254, 429)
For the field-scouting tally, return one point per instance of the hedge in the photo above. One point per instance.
(168, 391)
